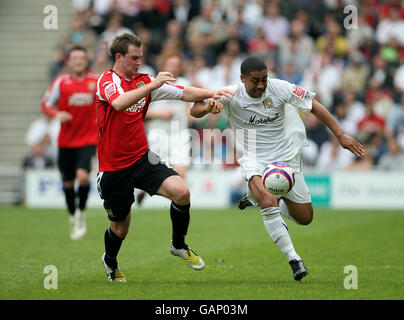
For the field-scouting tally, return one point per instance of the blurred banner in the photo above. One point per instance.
(211, 188)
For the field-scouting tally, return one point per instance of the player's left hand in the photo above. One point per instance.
(214, 106)
(349, 143)
(223, 92)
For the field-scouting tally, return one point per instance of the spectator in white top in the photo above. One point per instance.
(399, 78)
(298, 47)
(114, 29)
(44, 131)
(394, 158)
(333, 157)
(358, 36)
(391, 27)
(275, 26)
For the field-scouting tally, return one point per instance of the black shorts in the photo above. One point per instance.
(117, 187)
(71, 159)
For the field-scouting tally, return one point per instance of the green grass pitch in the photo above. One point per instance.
(242, 262)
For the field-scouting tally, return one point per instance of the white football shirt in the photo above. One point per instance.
(268, 128)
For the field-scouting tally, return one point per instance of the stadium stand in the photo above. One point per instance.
(356, 72)
(27, 49)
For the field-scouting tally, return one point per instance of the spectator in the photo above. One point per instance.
(365, 163)
(333, 157)
(114, 29)
(333, 39)
(371, 122)
(323, 77)
(379, 71)
(37, 157)
(395, 118)
(258, 44)
(398, 80)
(355, 75)
(213, 28)
(197, 72)
(291, 74)
(183, 11)
(315, 130)
(298, 47)
(391, 27)
(275, 25)
(355, 110)
(358, 37)
(79, 34)
(44, 132)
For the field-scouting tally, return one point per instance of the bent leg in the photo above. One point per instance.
(302, 213)
(273, 222)
(175, 189)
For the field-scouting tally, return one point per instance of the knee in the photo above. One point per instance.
(82, 176)
(267, 200)
(120, 231)
(182, 196)
(307, 218)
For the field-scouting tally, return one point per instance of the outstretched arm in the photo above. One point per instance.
(202, 108)
(192, 94)
(129, 98)
(346, 141)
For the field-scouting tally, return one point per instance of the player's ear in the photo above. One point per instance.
(242, 78)
(118, 56)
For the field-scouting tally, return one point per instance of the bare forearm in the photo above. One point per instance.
(326, 118)
(129, 98)
(192, 94)
(199, 109)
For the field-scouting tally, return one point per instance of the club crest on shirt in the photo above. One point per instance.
(140, 84)
(92, 85)
(268, 103)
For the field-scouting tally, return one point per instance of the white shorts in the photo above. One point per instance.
(299, 193)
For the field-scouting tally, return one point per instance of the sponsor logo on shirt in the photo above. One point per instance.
(137, 107)
(81, 99)
(299, 92)
(110, 90)
(254, 121)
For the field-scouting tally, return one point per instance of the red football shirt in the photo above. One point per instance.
(122, 137)
(76, 97)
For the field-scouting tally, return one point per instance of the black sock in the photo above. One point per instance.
(180, 221)
(83, 195)
(112, 246)
(70, 196)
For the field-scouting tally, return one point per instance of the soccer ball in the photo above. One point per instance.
(278, 178)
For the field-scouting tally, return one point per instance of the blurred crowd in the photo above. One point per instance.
(352, 59)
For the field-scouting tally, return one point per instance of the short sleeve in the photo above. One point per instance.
(109, 87)
(293, 94)
(167, 91)
(51, 98)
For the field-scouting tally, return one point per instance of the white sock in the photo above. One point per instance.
(278, 232)
(285, 211)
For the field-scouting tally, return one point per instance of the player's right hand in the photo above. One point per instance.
(349, 143)
(164, 76)
(214, 106)
(64, 116)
